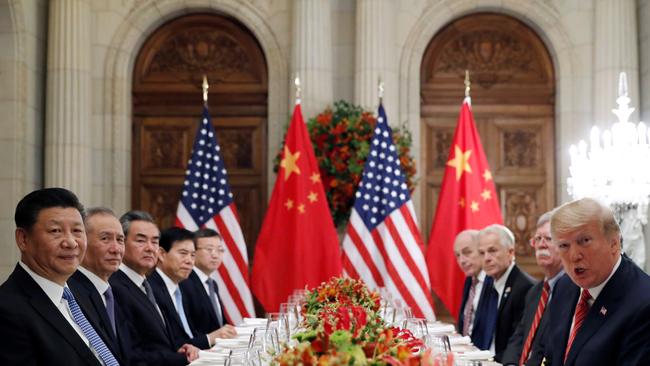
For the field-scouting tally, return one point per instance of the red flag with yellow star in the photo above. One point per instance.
(467, 200)
(298, 245)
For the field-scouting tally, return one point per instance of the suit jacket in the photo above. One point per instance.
(487, 282)
(616, 330)
(92, 305)
(33, 330)
(511, 309)
(516, 343)
(174, 323)
(152, 343)
(198, 306)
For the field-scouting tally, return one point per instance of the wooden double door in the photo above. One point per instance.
(167, 109)
(513, 103)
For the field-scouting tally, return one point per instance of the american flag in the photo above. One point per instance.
(207, 201)
(383, 246)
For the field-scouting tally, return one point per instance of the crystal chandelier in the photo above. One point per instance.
(615, 167)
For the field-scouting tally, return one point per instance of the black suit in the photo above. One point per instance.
(198, 306)
(616, 330)
(511, 309)
(93, 307)
(151, 340)
(517, 340)
(174, 323)
(33, 331)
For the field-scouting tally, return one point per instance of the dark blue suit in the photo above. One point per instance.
(93, 307)
(198, 306)
(152, 341)
(33, 331)
(174, 323)
(616, 330)
(487, 282)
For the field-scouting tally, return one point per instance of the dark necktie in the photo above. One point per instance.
(149, 291)
(541, 305)
(110, 307)
(212, 286)
(93, 338)
(468, 312)
(578, 318)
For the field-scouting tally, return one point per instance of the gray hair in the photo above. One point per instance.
(134, 215)
(473, 235)
(546, 217)
(99, 210)
(506, 237)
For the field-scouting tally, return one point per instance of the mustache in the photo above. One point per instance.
(542, 253)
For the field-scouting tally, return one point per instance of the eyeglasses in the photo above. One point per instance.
(212, 250)
(538, 239)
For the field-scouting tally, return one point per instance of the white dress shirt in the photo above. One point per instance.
(134, 276)
(100, 285)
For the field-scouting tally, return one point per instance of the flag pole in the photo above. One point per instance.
(380, 91)
(468, 99)
(205, 90)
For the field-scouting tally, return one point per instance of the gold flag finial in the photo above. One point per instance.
(205, 89)
(467, 84)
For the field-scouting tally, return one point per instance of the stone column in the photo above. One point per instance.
(67, 140)
(615, 50)
(312, 54)
(376, 57)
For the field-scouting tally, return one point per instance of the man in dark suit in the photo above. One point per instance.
(175, 263)
(471, 263)
(40, 320)
(601, 314)
(201, 294)
(152, 341)
(525, 345)
(90, 282)
(497, 247)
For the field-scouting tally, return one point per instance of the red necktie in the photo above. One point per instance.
(468, 312)
(543, 300)
(578, 318)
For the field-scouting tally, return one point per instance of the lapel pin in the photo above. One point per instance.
(603, 311)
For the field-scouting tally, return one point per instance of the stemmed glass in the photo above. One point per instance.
(417, 326)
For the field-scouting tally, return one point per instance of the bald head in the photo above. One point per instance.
(466, 251)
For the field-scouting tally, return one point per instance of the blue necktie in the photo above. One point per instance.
(95, 341)
(181, 312)
(110, 307)
(212, 286)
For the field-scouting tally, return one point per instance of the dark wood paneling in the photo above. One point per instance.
(167, 105)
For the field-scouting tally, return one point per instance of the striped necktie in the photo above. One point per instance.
(95, 341)
(468, 312)
(578, 318)
(541, 305)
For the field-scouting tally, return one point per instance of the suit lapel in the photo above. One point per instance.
(51, 314)
(199, 288)
(164, 299)
(606, 303)
(94, 298)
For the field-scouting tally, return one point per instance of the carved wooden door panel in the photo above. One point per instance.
(167, 107)
(513, 105)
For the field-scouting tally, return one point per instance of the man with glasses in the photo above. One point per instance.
(175, 263)
(204, 306)
(525, 345)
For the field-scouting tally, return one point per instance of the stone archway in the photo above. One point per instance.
(513, 90)
(167, 106)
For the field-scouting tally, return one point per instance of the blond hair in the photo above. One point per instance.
(574, 214)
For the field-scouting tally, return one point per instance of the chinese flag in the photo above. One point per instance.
(298, 245)
(467, 200)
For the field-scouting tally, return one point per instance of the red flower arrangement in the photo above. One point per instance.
(341, 138)
(344, 328)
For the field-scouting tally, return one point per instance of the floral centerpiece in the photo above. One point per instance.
(344, 327)
(341, 138)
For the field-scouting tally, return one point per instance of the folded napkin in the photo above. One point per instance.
(459, 340)
(439, 328)
(254, 321)
(475, 355)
